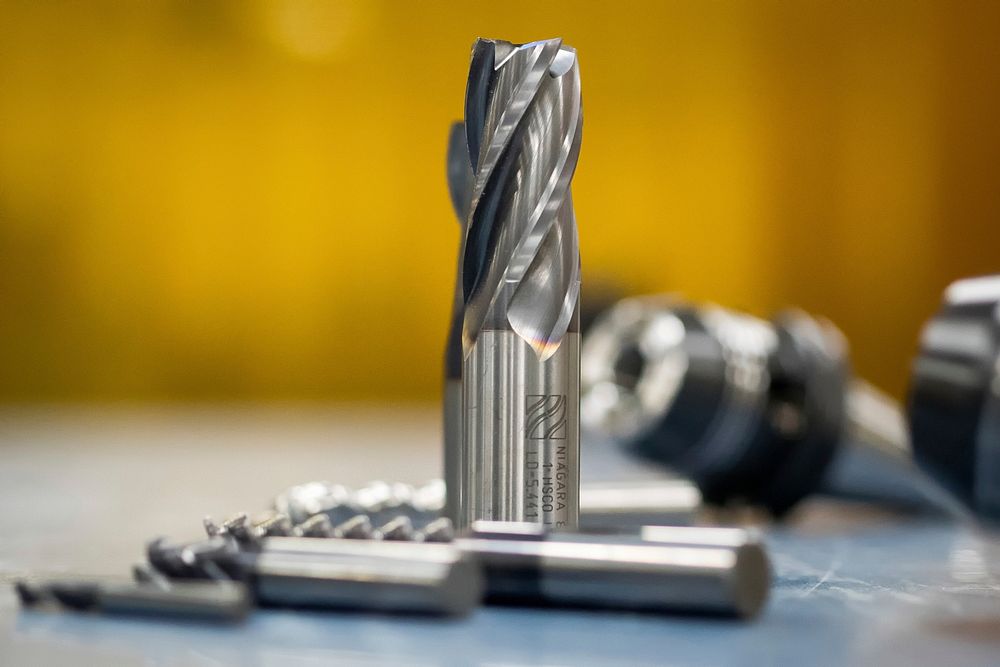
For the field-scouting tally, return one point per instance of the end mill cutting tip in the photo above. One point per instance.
(521, 265)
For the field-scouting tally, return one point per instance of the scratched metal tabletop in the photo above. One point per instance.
(83, 489)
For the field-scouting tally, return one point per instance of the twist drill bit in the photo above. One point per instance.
(227, 601)
(604, 506)
(520, 287)
(355, 574)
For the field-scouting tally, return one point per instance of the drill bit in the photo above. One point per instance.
(355, 574)
(227, 601)
(604, 506)
(520, 287)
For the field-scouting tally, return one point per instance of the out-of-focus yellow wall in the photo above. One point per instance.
(247, 199)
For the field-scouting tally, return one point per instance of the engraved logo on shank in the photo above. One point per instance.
(545, 417)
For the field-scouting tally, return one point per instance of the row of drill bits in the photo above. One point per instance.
(398, 567)
(378, 500)
(664, 569)
(400, 528)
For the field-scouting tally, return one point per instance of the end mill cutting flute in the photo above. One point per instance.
(521, 288)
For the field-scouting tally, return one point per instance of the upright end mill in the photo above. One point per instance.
(520, 287)
(521, 261)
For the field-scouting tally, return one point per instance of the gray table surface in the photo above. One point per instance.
(83, 489)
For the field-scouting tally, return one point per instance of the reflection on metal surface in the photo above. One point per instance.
(520, 269)
(618, 505)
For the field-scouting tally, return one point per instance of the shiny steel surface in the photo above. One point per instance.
(630, 504)
(689, 570)
(367, 575)
(520, 269)
(526, 465)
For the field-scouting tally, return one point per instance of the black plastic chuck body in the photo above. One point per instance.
(954, 400)
(755, 410)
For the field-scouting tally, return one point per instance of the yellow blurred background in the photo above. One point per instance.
(231, 200)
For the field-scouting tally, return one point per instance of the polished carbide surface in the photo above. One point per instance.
(366, 575)
(526, 465)
(694, 572)
(520, 270)
(82, 491)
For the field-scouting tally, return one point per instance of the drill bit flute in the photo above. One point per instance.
(520, 288)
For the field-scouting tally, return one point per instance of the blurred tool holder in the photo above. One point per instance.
(754, 412)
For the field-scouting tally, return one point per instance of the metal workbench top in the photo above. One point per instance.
(83, 489)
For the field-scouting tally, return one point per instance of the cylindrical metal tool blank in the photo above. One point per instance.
(694, 572)
(368, 575)
(624, 505)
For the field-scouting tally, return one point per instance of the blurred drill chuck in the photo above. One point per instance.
(754, 412)
(954, 405)
(520, 281)
(750, 410)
